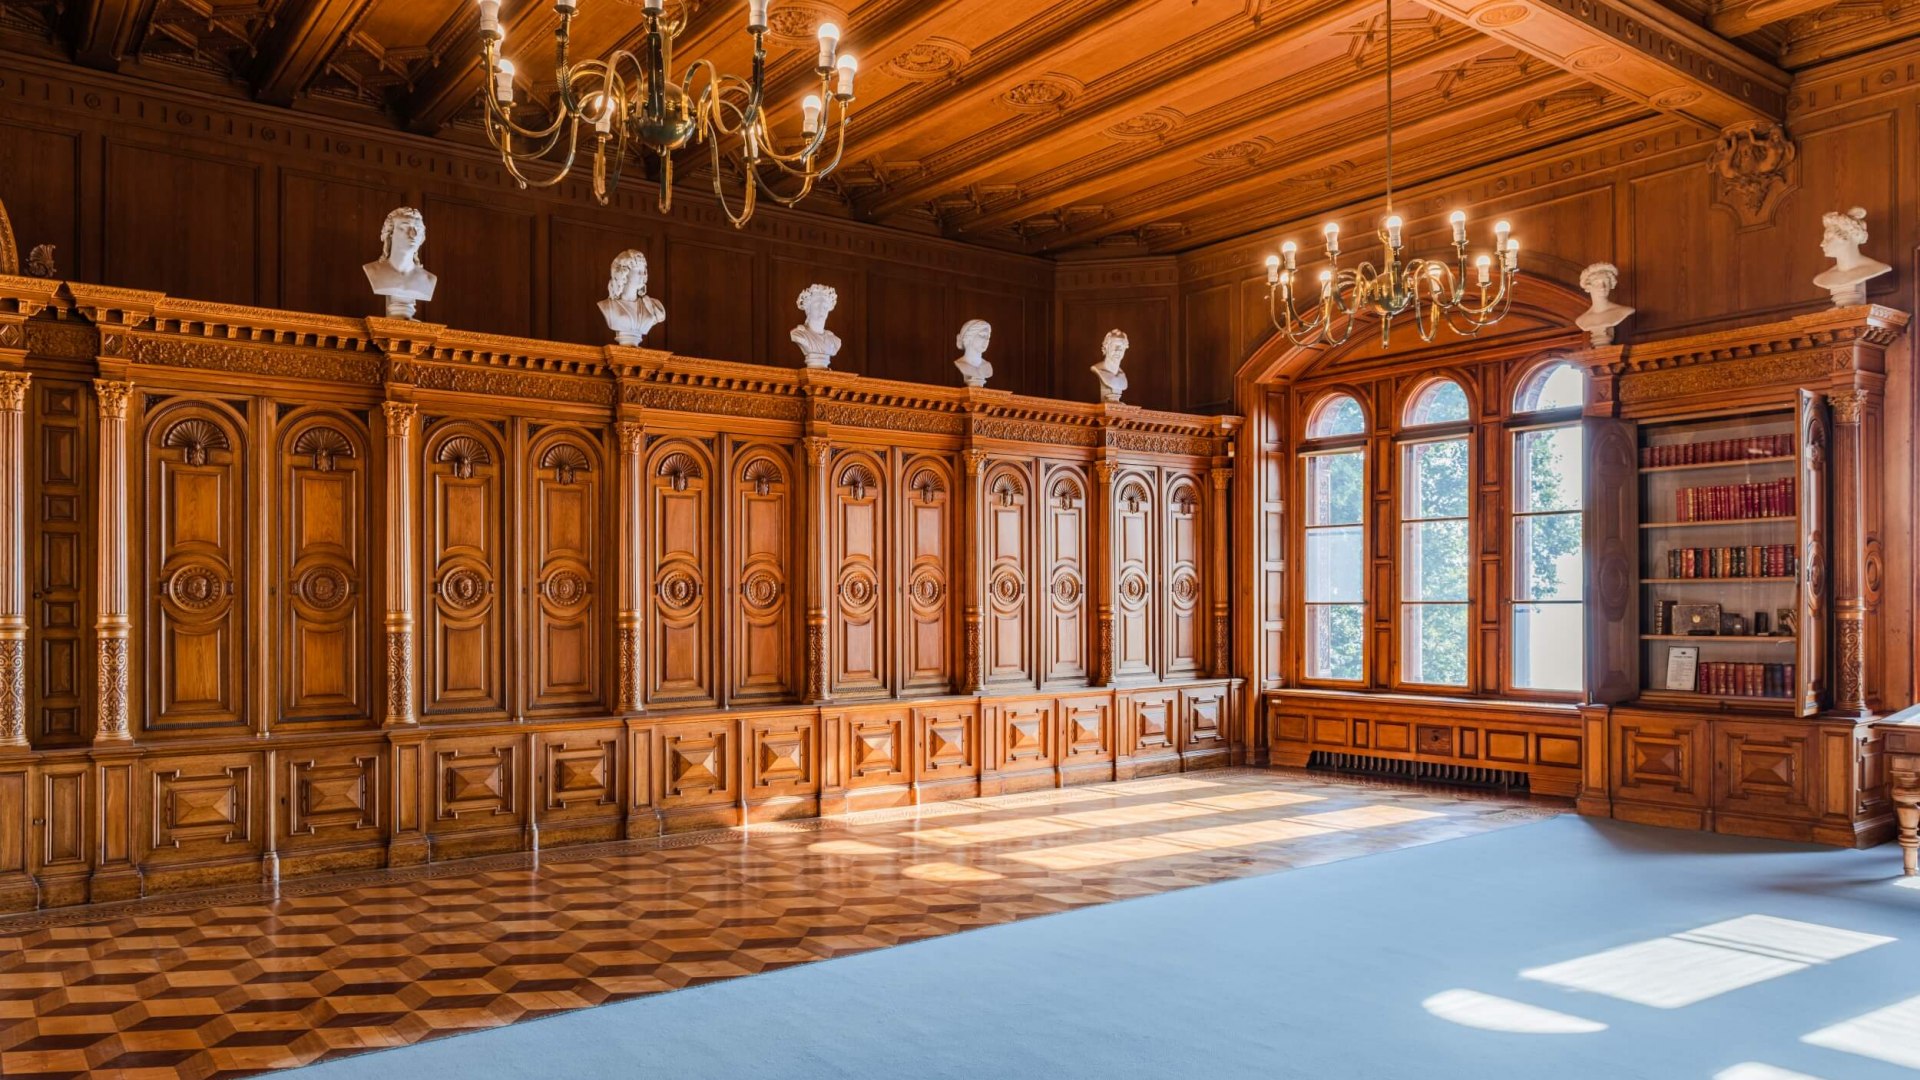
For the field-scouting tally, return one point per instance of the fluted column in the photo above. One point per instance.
(973, 513)
(13, 561)
(1217, 573)
(402, 418)
(1100, 571)
(113, 625)
(1848, 553)
(633, 492)
(818, 451)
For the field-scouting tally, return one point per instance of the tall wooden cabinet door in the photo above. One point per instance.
(761, 655)
(462, 533)
(858, 608)
(1135, 606)
(1063, 559)
(1811, 481)
(926, 514)
(680, 560)
(196, 563)
(322, 526)
(60, 558)
(1180, 578)
(565, 486)
(1008, 560)
(1612, 527)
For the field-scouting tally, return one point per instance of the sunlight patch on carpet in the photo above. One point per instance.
(1487, 1012)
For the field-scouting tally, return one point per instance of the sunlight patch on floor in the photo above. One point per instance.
(1217, 838)
(848, 847)
(1471, 1008)
(1681, 969)
(1111, 817)
(949, 872)
(1891, 1034)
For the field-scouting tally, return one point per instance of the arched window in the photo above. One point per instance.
(1435, 553)
(1334, 524)
(1549, 556)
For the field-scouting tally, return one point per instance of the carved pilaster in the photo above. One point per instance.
(630, 693)
(113, 624)
(13, 560)
(973, 509)
(1100, 573)
(1217, 574)
(1848, 551)
(817, 451)
(402, 418)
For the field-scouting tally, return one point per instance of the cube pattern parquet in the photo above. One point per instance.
(245, 981)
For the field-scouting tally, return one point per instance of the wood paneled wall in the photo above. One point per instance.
(310, 592)
(156, 188)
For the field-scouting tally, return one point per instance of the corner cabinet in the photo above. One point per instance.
(1736, 671)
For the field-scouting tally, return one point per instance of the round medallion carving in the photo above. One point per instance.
(1037, 94)
(1677, 98)
(1235, 153)
(678, 589)
(858, 591)
(324, 587)
(566, 588)
(1133, 588)
(760, 590)
(1005, 586)
(927, 60)
(926, 588)
(197, 587)
(1185, 588)
(1144, 126)
(1502, 15)
(1066, 587)
(463, 588)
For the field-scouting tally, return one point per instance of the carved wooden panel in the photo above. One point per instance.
(578, 775)
(1660, 760)
(199, 808)
(1063, 562)
(332, 796)
(783, 756)
(60, 552)
(1152, 725)
(1765, 769)
(476, 783)
(462, 622)
(197, 558)
(60, 816)
(878, 745)
(1136, 602)
(695, 763)
(1203, 719)
(926, 515)
(679, 569)
(1028, 738)
(563, 529)
(858, 605)
(949, 738)
(323, 529)
(1086, 729)
(761, 653)
(1180, 581)
(1007, 636)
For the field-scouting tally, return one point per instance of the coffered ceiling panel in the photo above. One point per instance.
(1058, 127)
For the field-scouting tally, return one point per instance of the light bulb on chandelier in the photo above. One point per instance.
(631, 101)
(1435, 292)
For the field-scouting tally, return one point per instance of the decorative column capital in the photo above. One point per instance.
(817, 448)
(113, 395)
(1222, 477)
(13, 390)
(633, 436)
(974, 461)
(1103, 472)
(400, 415)
(1847, 405)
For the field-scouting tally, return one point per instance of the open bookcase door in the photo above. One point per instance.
(1814, 445)
(1612, 539)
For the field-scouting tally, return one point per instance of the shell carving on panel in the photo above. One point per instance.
(195, 438)
(928, 484)
(461, 453)
(761, 474)
(678, 468)
(859, 479)
(324, 445)
(566, 460)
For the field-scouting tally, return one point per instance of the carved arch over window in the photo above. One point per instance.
(194, 437)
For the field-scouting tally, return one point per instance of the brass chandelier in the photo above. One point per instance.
(627, 100)
(1435, 292)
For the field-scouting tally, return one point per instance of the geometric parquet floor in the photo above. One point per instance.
(243, 981)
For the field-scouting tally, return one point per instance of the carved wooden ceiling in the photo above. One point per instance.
(1055, 126)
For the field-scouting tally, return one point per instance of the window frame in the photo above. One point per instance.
(1453, 431)
(1519, 424)
(1309, 448)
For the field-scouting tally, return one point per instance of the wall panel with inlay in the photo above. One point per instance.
(563, 537)
(761, 650)
(1063, 564)
(60, 552)
(1183, 597)
(463, 619)
(1137, 600)
(323, 525)
(1008, 570)
(858, 635)
(680, 567)
(926, 615)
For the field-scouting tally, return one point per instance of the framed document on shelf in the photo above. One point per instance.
(1682, 662)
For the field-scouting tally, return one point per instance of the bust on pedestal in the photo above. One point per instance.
(1598, 321)
(629, 311)
(397, 273)
(975, 335)
(1113, 381)
(1847, 280)
(816, 342)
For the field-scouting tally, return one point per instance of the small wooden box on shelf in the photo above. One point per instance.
(1735, 504)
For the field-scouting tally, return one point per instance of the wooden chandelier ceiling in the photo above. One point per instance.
(1052, 126)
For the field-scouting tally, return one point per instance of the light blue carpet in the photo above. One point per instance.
(1319, 972)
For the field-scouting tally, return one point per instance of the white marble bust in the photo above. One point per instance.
(1598, 321)
(818, 343)
(975, 335)
(397, 274)
(629, 311)
(1113, 381)
(1847, 279)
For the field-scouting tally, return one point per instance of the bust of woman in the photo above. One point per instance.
(629, 311)
(975, 335)
(1846, 281)
(1599, 320)
(818, 343)
(397, 274)
(1113, 381)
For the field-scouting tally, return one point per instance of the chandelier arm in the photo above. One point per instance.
(560, 170)
(501, 132)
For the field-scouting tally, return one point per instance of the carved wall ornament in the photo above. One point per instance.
(111, 666)
(679, 589)
(858, 591)
(762, 473)
(196, 587)
(566, 460)
(1036, 94)
(1134, 588)
(195, 438)
(325, 588)
(1066, 492)
(1134, 495)
(1144, 126)
(1755, 165)
(678, 468)
(40, 262)
(1185, 588)
(818, 345)
(566, 588)
(13, 390)
(464, 588)
(323, 445)
(633, 437)
(934, 58)
(760, 591)
(859, 480)
(462, 453)
(928, 483)
(400, 416)
(1846, 280)
(1006, 587)
(112, 395)
(1006, 488)
(1599, 280)
(13, 692)
(1066, 587)
(398, 273)
(926, 587)
(1847, 405)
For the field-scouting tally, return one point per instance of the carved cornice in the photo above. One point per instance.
(161, 350)
(1808, 350)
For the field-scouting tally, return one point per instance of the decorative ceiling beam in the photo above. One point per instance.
(452, 85)
(299, 44)
(1328, 89)
(105, 32)
(1639, 49)
(1738, 17)
(1258, 179)
(1115, 98)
